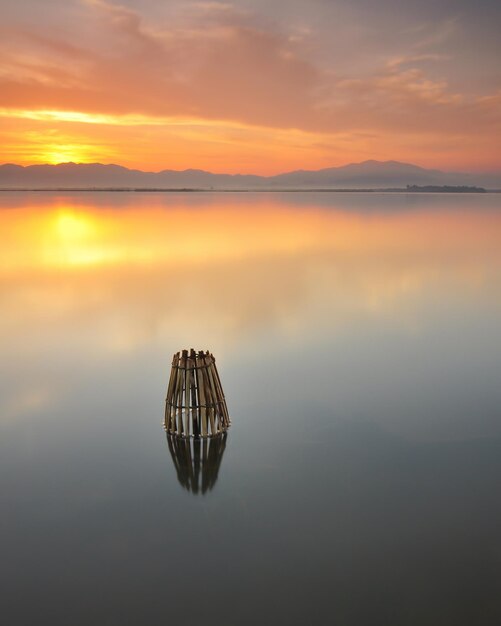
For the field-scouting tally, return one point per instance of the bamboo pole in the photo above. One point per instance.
(193, 387)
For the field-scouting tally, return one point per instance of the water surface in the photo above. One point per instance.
(359, 344)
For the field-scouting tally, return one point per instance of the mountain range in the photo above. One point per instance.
(368, 174)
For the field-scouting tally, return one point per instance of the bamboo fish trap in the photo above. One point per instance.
(195, 405)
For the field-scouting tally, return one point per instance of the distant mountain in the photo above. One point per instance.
(381, 174)
(89, 175)
(369, 174)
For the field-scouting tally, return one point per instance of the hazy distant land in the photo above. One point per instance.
(389, 176)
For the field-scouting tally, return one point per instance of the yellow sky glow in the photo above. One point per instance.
(152, 143)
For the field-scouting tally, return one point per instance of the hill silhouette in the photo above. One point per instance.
(368, 174)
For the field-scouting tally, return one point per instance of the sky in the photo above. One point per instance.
(261, 86)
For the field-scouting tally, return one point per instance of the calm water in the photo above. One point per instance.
(358, 338)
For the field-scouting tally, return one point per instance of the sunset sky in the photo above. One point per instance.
(251, 86)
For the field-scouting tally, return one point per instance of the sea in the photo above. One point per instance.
(358, 341)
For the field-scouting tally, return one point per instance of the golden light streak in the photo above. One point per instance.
(80, 117)
(193, 128)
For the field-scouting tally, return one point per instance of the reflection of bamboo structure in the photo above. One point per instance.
(195, 404)
(197, 461)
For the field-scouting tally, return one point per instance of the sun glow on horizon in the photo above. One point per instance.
(154, 143)
(58, 155)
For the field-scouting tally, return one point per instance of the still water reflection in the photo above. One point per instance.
(359, 344)
(197, 461)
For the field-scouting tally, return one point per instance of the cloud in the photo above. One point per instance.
(433, 34)
(231, 71)
(214, 6)
(415, 59)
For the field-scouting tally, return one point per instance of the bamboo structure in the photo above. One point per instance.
(195, 405)
(197, 461)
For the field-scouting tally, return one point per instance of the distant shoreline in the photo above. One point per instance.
(410, 190)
